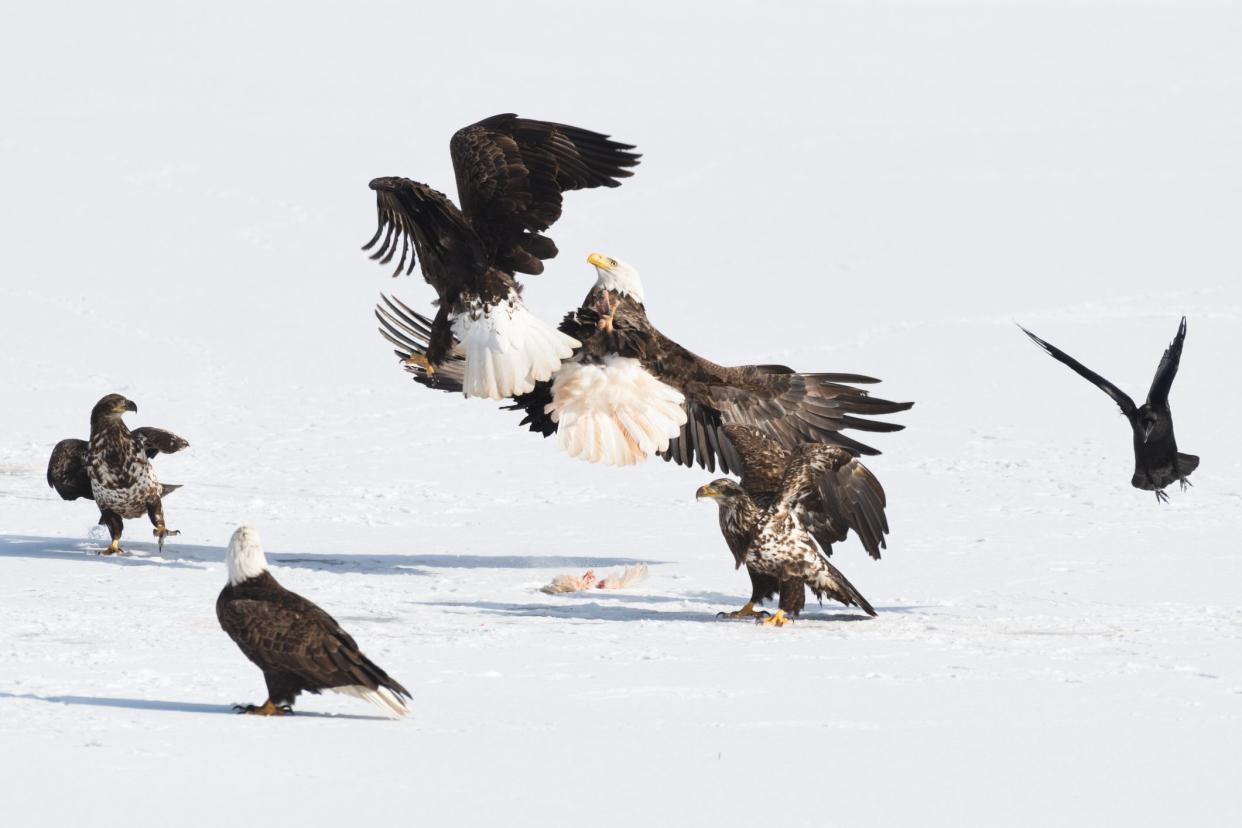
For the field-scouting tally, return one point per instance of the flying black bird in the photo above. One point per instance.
(629, 391)
(510, 173)
(114, 469)
(1157, 462)
(297, 645)
(856, 501)
(823, 493)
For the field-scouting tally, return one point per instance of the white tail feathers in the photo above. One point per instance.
(508, 349)
(615, 412)
(383, 698)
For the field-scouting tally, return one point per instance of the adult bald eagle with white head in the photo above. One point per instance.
(511, 173)
(629, 392)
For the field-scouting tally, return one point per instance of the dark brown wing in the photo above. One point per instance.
(511, 173)
(410, 332)
(759, 461)
(156, 441)
(280, 631)
(66, 470)
(1118, 396)
(837, 493)
(426, 226)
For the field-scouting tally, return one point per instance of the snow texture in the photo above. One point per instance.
(873, 187)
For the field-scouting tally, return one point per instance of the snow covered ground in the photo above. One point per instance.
(864, 187)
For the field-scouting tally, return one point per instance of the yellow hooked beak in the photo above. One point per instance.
(600, 260)
(705, 491)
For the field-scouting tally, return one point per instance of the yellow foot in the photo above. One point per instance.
(114, 548)
(747, 611)
(268, 709)
(779, 619)
(605, 322)
(420, 361)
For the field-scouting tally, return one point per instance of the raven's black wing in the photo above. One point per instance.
(1158, 395)
(1120, 397)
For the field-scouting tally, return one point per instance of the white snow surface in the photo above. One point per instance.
(870, 187)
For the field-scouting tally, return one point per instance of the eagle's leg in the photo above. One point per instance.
(421, 361)
(113, 521)
(747, 611)
(607, 311)
(439, 343)
(268, 708)
(778, 619)
(793, 597)
(155, 511)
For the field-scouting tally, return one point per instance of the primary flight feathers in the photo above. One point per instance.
(511, 173)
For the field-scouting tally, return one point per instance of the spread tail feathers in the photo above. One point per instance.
(508, 349)
(829, 581)
(169, 488)
(1186, 463)
(614, 412)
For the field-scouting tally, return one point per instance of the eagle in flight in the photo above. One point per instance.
(628, 391)
(832, 493)
(114, 469)
(511, 173)
(298, 646)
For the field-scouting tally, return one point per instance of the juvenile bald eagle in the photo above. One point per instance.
(629, 392)
(510, 173)
(114, 469)
(823, 492)
(1157, 462)
(298, 646)
(762, 464)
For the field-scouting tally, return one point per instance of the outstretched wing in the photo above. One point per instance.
(410, 332)
(837, 493)
(511, 173)
(287, 633)
(66, 470)
(1166, 371)
(155, 441)
(426, 226)
(758, 460)
(1120, 397)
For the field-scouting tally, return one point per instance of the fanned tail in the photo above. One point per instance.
(508, 349)
(392, 702)
(1186, 463)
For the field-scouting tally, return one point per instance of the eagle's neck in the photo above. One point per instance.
(107, 422)
(739, 515)
(244, 560)
(622, 282)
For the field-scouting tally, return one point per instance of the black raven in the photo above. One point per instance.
(1157, 462)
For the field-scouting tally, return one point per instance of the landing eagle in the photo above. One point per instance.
(511, 173)
(832, 493)
(298, 646)
(114, 469)
(628, 391)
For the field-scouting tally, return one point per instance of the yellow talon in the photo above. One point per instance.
(114, 548)
(778, 619)
(268, 709)
(420, 361)
(747, 611)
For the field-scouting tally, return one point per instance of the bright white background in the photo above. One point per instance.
(881, 188)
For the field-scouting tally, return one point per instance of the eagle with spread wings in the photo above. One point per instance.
(511, 175)
(629, 392)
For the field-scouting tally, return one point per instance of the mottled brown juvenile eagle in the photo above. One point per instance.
(298, 646)
(778, 538)
(629, 392)
(845, 495)
(511, 173)
(114, 469)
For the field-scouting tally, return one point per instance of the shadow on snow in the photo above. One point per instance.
(592, 610)
(170, 706)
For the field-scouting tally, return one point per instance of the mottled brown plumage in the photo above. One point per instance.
(114, 469)
(786, 499)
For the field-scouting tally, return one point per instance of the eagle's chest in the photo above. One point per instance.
(781, 548)
(122, 479)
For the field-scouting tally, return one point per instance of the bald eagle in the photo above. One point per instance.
(846, 496)
(824, 492)
(510, 173)
(629, 392)
(297, 645)
(114, 469)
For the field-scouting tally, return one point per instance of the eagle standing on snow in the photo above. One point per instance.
(298, 646)
(785, 503)
(628, 391)
(114, 469)
(510, 173)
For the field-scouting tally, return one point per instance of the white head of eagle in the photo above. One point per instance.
(245, 558)
(616, 275)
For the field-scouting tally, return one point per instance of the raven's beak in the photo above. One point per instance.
(705, 491)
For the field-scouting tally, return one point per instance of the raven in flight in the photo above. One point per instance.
(1157, 462)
